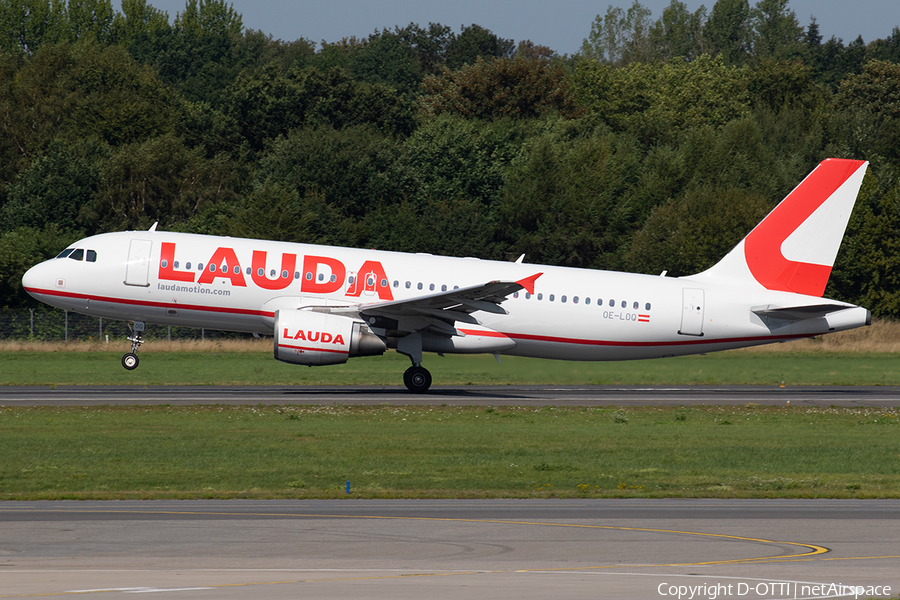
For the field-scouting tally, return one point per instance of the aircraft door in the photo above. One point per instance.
(692, 312)
(137, 270)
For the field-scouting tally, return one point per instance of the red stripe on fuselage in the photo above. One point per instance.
(580, 342)
(147, 303)
(514, 336)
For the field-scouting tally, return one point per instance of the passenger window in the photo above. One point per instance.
(396, 283)
(431, 287)
(527, 296)
(285, 275)
(419, 286)
(612, 303)
(587, 300)
(540, 296)
(199, 266)
(516, 295)
(408, 284)
(552, 297)
(188, 266)
(444, 288)
(575, 299)
(308, 275)
(164, 263)
(647, 306)
(77, 254)
(237, 270)
(333, 279)
(384, 283)
(635, 306)
(563, 299)
(321, 276)
(624, 304)
(249, 269)
(272, 274)
(296, 274)
(92, 257)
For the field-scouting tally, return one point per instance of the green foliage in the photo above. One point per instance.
(159, 180)
(776, 32)
(352, 169)
(688, 236)
(655, 99)
(571, 201)
(74, 91)
(505, 87)
(727, 31)
(476, 42)
(678, 33)
(21, 249)
(454, 158)
(421, 138)
(268, 103)
(56, 189)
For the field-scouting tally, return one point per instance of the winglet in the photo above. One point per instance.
(528, 282)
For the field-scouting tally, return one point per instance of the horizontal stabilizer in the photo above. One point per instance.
(798, 313)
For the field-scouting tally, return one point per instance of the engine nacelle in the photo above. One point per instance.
(305, 337)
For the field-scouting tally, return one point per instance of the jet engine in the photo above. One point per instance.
(306, 337)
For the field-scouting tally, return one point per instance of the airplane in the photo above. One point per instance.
(324, 304)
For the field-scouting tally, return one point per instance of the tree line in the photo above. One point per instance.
(656, 147)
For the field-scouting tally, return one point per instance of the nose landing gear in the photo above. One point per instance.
(130, 361)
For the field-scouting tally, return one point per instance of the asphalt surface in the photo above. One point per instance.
(454, 549)
(450, 549)
(515, 395)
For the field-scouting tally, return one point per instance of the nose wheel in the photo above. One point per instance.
(130, 361)
(417, 379)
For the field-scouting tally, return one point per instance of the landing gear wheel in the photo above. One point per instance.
(417, 379)
(130, 361)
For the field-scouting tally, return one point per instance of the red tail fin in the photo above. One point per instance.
(794, 247)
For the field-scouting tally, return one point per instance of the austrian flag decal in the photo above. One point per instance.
(643, 318)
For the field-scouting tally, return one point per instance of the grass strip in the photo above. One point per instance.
(259, 368)
(448, 452)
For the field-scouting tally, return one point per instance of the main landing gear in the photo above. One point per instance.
(416, 378)
(130, 361)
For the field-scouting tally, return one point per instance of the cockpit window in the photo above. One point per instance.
(91, 256)
(78, 254)
(65, 253)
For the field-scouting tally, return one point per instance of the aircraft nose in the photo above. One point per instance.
(36, 279)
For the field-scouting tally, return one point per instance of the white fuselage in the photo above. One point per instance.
(574, 314)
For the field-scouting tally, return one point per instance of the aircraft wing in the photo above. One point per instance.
(439, 311)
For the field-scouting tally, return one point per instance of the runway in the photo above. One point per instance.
(450, 549)
(453, 549)
(485, 395)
